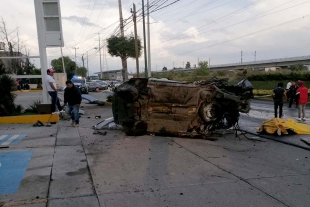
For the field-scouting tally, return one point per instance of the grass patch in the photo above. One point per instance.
(267, 85)
(27, 113)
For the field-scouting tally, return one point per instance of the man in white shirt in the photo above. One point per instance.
(288, 85)
(52, 91)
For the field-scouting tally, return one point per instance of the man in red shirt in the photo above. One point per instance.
(302, 91)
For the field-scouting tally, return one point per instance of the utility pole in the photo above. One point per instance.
(241, 56)
(83, 60)
(100, 55)
(75, 48)
(121, 20)
(124, 61)
(63, 62)
(209, 62)
(144, 38)
(198, 61)
(87, 64)
(136, 38)
(149, 40)
(255, 56)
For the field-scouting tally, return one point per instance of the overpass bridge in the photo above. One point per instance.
(283, 63)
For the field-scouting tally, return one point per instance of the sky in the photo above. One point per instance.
(184, 31)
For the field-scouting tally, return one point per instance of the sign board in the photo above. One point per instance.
(49, 19)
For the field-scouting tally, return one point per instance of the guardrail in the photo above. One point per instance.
(292, 59)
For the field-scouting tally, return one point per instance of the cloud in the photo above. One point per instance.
(81, 20)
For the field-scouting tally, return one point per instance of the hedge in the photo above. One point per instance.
(280, 77)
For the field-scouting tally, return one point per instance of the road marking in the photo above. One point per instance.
(2, 137)
(11, 139)
(12, 170)
(7, 142)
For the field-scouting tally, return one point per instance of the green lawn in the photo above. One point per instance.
(267, 85)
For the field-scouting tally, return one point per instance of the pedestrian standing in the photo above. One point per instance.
(72, 101)
(278, 94)
(288, 85)
(302, 91)
(52, 91)
(293, 97)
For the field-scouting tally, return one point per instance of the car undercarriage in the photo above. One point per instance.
(171, 108)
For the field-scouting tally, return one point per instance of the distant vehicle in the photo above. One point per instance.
(113, 84)
(80, 82)
(94, 86)
(104, 84)
(94, 77)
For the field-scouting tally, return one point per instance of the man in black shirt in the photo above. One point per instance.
(278, 94)
(73, 97)
(293, 96)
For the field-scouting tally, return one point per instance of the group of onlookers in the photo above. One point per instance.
(295, 92)
(21, 85)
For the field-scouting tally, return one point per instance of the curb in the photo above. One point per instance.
(31, 119)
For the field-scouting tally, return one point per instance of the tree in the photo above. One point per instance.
(165, 68)
(123, 47)
(299, 67)
(69, 65)
(2, 68)
(7, 97)
(202, 69)
(188, 65)
(81, 71)
(13, 44)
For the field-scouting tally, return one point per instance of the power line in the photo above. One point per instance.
(249, 19)
(250, 34)
(89, 1)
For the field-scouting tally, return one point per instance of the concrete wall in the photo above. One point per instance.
(60, 79)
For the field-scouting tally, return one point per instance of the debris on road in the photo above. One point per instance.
(93, 100)
(306, 140)
(38, 124)
(101, 133)
(107, 124)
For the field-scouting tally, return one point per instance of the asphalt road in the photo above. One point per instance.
(262, 111)
(62, 166)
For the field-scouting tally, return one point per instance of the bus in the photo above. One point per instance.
(93, 77)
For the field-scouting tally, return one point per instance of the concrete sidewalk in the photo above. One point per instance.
(72, 167)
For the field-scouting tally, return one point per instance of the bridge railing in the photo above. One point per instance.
(301, 58)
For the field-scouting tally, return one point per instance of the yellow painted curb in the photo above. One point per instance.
(31, 119)
(26, 91)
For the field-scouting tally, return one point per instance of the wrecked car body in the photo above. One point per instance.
(164, 107)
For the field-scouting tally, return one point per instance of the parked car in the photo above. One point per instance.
(93, 86)
(114, 84)
(81, 84)
(104, 84)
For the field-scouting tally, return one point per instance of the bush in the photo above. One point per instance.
(305, 76)
(33, 108)
(7, 98)
(109, 99)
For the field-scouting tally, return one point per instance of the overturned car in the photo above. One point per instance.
(164, 107)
